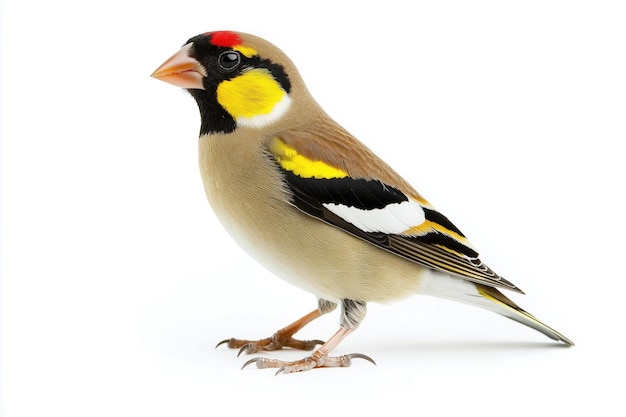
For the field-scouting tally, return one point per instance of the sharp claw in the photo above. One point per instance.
(250, 362)
(280, 371)
(361, 356)
(248, 349)
(222, 342)
(244, 348)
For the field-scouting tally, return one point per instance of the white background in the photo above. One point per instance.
(117, 280)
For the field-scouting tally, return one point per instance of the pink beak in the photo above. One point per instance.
(182, 70)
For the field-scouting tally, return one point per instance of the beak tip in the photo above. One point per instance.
(162, 71)
(181, 70)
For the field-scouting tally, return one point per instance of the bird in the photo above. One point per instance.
(314, 205)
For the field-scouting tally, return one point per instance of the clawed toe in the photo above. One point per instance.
(361, 356)
(308, 363)
(250, 362)
(248, 349)
(222, 342)
(263, 363)
(304, 344)
(283, 338)
(276, 342)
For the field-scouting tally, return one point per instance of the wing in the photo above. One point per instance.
(387, 213)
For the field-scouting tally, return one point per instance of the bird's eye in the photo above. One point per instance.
(228, 60)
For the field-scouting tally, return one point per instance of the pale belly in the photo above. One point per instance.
(300, 249)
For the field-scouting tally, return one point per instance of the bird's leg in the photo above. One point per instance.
(319, 358)
(353, 314)
(283, 337)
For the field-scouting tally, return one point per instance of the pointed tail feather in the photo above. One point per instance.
(443, 285)
(504, 306)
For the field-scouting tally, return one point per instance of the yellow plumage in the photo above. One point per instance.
(292, 161)
(251, 94)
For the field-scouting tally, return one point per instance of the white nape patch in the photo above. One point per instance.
(263, 120)
(393, 218)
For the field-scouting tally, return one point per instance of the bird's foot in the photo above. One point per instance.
(280, 339)
(316, 360)
(276, 342)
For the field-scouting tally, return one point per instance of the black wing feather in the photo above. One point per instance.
(429, 250)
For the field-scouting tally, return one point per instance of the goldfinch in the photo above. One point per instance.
(313, 204)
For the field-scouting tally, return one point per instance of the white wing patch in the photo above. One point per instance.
(393, 219)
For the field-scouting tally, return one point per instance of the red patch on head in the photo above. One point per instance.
(225, 39)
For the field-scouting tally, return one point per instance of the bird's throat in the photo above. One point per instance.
(214, 118)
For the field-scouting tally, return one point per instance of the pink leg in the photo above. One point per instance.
(319, 358)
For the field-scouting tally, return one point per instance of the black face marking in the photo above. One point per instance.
(278, 72)
(222, 64)
(213, 117)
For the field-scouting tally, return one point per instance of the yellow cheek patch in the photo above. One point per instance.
(290, 160)
(253, 93)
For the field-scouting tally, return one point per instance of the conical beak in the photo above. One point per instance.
(182, 70)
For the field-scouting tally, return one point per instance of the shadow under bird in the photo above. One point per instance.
(313, 204)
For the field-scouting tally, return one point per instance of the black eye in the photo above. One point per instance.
(228, 60)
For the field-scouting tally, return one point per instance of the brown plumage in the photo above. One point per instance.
(325, 213)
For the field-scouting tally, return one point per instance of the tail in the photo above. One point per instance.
(500, 304)
(445, 286)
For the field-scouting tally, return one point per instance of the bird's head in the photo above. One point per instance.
(238, 80)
